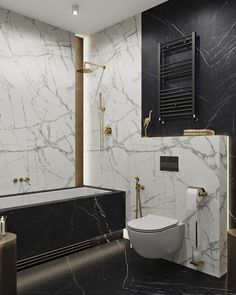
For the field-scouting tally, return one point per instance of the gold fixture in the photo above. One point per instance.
(21, 180)
(27, 180)
(138, 188)
(87, 70)
(147, 122)
(198, 132)
(102, 111)
(202, 192)
(108, 130)
(101, 103)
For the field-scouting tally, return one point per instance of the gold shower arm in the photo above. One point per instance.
(93, 64)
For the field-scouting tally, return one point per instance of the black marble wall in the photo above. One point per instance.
(214, 21)
(43, 228)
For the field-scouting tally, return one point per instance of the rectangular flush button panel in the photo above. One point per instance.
(169, 163)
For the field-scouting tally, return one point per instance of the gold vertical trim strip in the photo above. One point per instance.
(78, 112)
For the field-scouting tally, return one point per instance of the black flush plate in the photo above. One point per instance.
(169, 163)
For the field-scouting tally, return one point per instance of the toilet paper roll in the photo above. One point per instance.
(192, 194)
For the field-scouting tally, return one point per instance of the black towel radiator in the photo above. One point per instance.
(177, 101)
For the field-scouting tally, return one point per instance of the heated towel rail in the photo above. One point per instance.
(177, 79)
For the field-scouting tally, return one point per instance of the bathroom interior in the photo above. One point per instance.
(118, 147)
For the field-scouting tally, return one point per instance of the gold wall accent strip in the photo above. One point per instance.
(78, 112)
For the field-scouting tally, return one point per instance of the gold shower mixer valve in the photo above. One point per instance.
(108, 130)
(21, 180)
(102, 108)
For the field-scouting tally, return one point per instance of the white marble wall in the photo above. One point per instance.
(36, 104)
(203, 160)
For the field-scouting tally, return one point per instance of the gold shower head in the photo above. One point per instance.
(87, 70)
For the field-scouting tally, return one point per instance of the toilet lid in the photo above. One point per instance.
(152, 223)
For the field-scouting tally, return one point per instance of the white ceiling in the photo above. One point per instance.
(94, 15)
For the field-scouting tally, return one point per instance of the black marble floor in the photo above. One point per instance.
(115, 269)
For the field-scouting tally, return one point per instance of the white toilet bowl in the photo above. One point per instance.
(156, 236)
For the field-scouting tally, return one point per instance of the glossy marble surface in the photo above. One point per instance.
(202, 160)
(37, 104)
(51, 226)
(214, 23)
(49, 196)
(115, 269)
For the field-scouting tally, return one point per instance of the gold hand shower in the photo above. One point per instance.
(102, 110)
(138, 188)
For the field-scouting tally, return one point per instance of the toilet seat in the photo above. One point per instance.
(152, 223)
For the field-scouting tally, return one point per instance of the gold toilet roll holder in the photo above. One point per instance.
(197, 263)
(201, 191)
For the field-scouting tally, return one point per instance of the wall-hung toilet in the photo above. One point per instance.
(156, 236)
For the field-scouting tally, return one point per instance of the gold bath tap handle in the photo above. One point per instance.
(26, 180)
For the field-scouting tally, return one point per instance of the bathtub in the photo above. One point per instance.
(50, 196)
(55, 223)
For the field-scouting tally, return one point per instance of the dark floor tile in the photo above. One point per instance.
(115, 269)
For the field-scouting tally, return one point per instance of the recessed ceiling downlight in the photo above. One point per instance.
(75, 9)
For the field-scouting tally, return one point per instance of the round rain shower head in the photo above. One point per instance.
(85, 71)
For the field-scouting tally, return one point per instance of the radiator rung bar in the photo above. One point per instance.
(176, 95)
(177, 104)
(174, 109)
(177, 88)
(176, 63)
(173, 100)
(188, 37)
(177, 115)
(165, 49)
(167, 111)
(176, 68)
(184, 73)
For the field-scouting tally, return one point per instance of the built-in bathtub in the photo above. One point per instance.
(54, 223)
(50, 196)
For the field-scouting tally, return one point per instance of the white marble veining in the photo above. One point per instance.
(36, 104)
(202, 160)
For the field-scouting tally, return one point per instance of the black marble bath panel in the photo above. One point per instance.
(214, 23)
(115, 269)
(43, 228)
